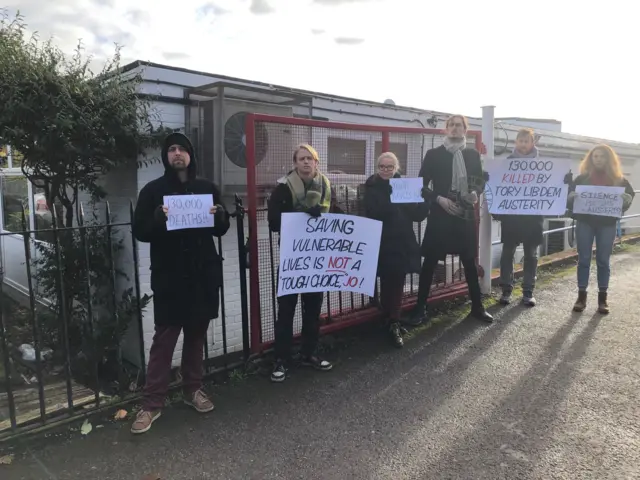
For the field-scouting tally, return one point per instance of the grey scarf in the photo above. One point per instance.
(459, 182)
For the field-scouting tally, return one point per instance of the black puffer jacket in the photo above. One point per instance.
(399, 248)
(186, 269)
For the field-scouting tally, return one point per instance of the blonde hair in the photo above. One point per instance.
(612, 168)
(462, 118)
(392, 156)
(308, 148)
(526, 132)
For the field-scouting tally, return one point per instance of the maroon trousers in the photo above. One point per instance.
(161, 355)
(391, 293)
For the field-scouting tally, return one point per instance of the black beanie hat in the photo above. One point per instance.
(181, 139)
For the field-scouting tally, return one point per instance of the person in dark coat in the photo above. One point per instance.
(600, 167)
(303, 189)
(457, 179)
(521, 229)
(186, 275)
(399, 250)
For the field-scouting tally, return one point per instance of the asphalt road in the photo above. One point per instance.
(541, 394)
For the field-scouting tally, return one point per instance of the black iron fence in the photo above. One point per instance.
(72, 339)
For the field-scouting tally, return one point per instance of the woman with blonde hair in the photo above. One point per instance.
(303, 189)
(399, 250)
(601, 167)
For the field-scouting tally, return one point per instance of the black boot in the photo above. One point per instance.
(603, 305)
(581, 302)
(479, 313)
(416, 317)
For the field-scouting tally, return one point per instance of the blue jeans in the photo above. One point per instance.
(604, 237)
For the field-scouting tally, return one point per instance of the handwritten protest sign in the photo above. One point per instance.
(527, 186)
(188, 211)
(597, 200)
(406, 190)
(330, 253)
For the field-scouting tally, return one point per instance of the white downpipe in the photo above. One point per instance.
(484, 254)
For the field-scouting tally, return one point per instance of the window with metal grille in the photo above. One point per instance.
(346, 155)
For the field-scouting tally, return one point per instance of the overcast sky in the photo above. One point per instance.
(570, 60)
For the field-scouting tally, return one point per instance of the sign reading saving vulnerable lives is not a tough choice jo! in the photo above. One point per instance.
(527, 186)
(333, 252)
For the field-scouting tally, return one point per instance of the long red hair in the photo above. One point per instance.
(612, 169)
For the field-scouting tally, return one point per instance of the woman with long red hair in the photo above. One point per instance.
(600, 167)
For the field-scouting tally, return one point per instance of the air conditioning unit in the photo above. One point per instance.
(557, 241)
(274, 142)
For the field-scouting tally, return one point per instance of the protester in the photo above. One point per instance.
(399, 250)
(458, 181)
(521, 229)
(600, 167)
(186, 274)
(303, 189)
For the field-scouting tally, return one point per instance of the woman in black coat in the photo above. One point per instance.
(399, 249)
(457, 179)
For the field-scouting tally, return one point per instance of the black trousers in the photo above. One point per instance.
(470, 273)
(311, 306)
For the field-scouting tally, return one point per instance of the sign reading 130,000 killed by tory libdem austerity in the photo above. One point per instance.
(330, 253)
(527, 186)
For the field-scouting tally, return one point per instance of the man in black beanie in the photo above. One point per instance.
(186, 275)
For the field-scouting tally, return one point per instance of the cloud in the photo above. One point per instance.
(210, 8)
(338, 2)
(348, 40)
(138, 17)
(260, 7)
(175, 56)
(317, 31)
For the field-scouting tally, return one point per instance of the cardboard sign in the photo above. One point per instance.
(527, 186)
(189, 211)
(330, 253)
(406, 190)
(596, 200)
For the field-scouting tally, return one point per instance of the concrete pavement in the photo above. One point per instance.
(542, 393)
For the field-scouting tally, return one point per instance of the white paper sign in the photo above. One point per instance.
(527, 186)
(406, 190)
(597, 200)
(188, 211)
(330, 253)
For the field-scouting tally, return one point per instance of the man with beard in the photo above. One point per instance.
(186, 275)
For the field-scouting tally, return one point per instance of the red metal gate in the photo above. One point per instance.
(348, 153)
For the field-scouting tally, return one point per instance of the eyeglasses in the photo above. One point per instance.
(386, 168)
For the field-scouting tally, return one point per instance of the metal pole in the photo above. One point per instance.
(484, 237)
(242, 265)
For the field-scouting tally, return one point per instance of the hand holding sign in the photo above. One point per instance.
(189, 211)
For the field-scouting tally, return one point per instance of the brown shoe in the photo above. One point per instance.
(144, 420)
(581, 303)
(200, 402)
(603, 306)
